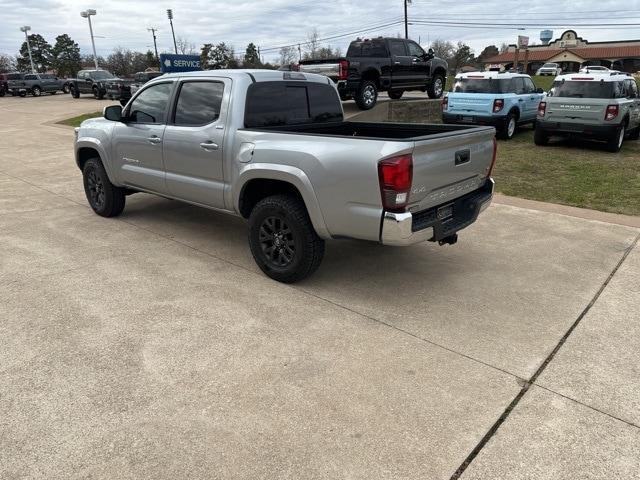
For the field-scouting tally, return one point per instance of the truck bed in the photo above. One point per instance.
(374, 131)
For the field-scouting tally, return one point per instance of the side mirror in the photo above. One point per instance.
(539, 90)
(113, 113)
(431, 52)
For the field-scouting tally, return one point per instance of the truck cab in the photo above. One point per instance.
(502, 100)
(601, 106)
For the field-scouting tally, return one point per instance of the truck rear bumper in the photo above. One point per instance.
(496, 121)
(406, 228)
(599, 131)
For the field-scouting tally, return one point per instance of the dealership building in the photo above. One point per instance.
(572, 52)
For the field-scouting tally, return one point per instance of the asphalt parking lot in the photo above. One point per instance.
(150, 346)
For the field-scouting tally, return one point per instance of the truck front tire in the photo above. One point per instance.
(367, 95)
(104, 198)
(282, 239)
(74, 92)
(97, 93)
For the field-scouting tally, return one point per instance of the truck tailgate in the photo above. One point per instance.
(330, 69)
(449, 166)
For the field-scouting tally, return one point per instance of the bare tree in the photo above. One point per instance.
(7, 63)
(311, 47)
(288, 55)
(185, 47)
(504, 47)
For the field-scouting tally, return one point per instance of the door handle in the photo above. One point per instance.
(154, 140)
(520, 100)
(396, 63)
(208, 146)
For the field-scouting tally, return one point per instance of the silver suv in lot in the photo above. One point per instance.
(549, 69)
(599, 106)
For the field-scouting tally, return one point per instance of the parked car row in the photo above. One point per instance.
(599, 105)
(31, 83)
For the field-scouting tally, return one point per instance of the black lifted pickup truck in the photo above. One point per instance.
(394, 65)
(93, 82)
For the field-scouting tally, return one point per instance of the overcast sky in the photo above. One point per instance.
(270, 23)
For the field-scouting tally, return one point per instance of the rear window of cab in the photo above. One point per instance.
(588, 89)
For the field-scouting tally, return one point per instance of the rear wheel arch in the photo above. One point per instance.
(261, 186)
(372, 74)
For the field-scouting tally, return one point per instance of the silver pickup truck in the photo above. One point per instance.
(273, 147)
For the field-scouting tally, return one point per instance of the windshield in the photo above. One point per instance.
(484, 85)
(101, 75)
(550, 65)
(582, 89)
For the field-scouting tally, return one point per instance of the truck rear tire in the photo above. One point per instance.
(435, 89)
(367, 95)
(36, 91)
(510, 125)
(104, 198)
(540, 137)
(282, 239)
(74, 92)
(614, 142)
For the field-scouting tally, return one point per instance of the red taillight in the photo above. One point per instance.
(498, 105)
(612, 112)
(542, 109)
(395, 176)
(343, 70)
(445, 103)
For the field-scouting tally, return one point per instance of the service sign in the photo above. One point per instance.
(179, 63)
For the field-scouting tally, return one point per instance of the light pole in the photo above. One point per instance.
(87, 14)
(155, 45)
(170, 17)
(406, 19)
(25, 29)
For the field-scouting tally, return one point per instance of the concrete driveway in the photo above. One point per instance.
(150, 346)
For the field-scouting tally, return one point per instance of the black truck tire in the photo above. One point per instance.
(435, 89)
(614, 142)
(510, 126)
(395, 94)
(282, 239)
(540, 137)
(97, 93)
(36, 91)
(367, 95)
(65, 88)
(104, 198)
(74, 92)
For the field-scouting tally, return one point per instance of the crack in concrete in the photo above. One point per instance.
(494, 428)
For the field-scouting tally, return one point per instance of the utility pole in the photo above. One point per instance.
(25, 29)
(170, 17)
(299, 52)
(87, 14)
(155, 45)
(406, 19)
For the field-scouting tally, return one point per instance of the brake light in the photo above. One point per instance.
(343, 69)
(498, 105)
(445, 103)
(395, 174)
(542, 109)
(612, 112)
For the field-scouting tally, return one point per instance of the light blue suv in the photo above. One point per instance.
(502, 100)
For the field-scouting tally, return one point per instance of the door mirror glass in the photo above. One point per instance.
(113, 113)
(539, 90)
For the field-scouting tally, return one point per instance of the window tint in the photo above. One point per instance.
(151, 105)
(199, 103)
(415, 50)
(632, 89)
(529, 87)
(518, 86)
(397, 48)
(483, 85)
(286, 103)
(30, 77)
(582, 89)
(372, 48)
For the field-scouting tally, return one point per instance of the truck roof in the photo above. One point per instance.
(594, 76)
(491, 74)
(257, 74)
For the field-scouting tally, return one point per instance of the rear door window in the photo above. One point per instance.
(397, 48)
(290, 103)
(198, 103)
(518, 86)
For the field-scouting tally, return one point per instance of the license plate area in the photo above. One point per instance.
(445, 212)
(468, 118)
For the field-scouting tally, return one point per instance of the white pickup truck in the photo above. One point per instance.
(273, 147)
